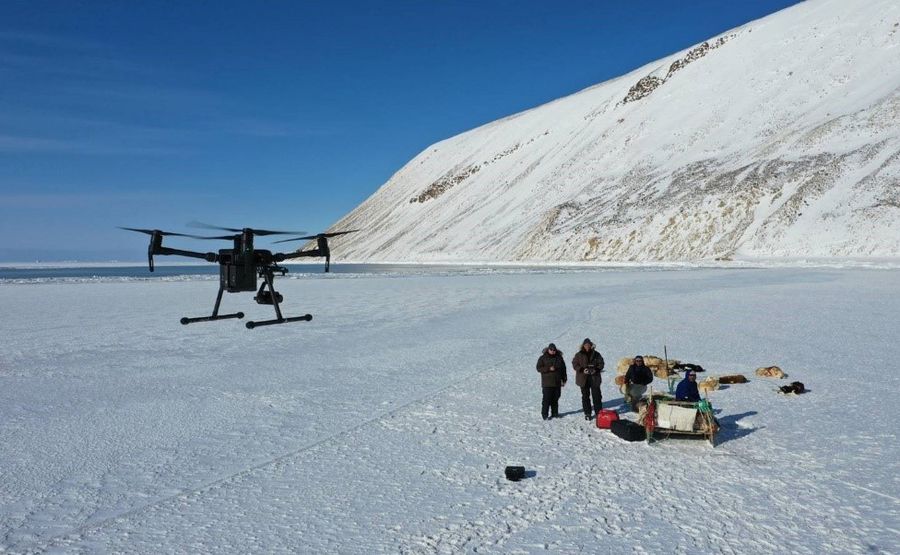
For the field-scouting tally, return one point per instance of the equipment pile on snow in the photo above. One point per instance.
(661, 415)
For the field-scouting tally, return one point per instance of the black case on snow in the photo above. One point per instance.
(628, 430)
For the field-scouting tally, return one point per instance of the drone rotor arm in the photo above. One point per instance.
(281, 256)
(166, 251)
(156, 247)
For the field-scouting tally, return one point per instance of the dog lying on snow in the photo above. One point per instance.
(732, 378)
(796, 388)
(771, 372)
(708, 384)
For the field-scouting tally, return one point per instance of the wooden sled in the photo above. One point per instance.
(666, 418)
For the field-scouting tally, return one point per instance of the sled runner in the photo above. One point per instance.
(666, 417)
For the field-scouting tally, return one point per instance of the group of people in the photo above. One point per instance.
(588, 365)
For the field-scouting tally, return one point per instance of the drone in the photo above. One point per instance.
(242, 266)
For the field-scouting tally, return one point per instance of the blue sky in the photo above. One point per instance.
(277, 114)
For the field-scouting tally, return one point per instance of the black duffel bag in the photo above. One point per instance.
(628, 430)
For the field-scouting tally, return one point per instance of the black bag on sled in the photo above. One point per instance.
(628, 430)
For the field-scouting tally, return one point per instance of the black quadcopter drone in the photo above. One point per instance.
(240, 267)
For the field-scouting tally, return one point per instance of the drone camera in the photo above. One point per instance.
(265, 297)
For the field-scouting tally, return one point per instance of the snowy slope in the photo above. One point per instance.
(383, 425)
(775, 139)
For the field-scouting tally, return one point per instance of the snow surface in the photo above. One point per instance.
(775, 139)
(384, 425)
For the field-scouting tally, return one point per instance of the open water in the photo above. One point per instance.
(37, 274)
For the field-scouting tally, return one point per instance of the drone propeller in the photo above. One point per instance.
(222, 237)
(254, 231)
(162, 233)
(318, 236)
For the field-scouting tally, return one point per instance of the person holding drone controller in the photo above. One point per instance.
(588, 365)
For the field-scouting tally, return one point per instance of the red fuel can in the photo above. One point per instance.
(606, 417)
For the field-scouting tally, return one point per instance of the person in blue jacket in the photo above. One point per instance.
(687, 388)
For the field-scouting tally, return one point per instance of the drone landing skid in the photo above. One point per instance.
(273, 298)
(187, 321)
(306, 317)
(215, 315)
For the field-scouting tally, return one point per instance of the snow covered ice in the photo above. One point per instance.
(384, 425)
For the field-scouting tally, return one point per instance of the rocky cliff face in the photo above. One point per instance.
(780, 138)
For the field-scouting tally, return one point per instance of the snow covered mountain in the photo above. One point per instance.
(780, 138)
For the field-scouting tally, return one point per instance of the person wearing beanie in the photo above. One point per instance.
(637, 378)
(588, 364)
(552, 367)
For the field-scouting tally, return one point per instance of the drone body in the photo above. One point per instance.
(241, 267)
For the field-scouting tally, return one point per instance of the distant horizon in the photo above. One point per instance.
(247, 115)
(864, 263)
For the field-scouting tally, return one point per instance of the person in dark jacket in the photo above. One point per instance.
(637, 378)
(552, 367)
(687, 388)
(588, 364)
